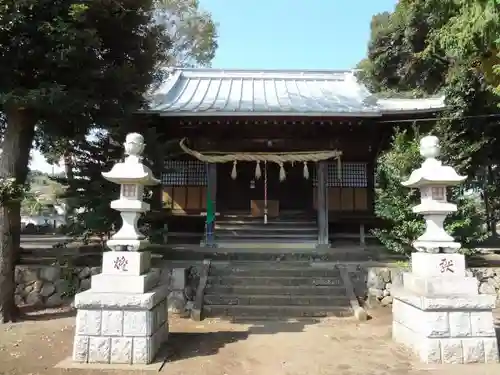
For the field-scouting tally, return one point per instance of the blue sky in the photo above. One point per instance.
(293, 34)
(287, 34)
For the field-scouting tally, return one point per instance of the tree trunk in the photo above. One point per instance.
(492, 215)
(16, 146)
(68, 172)
(486, 200)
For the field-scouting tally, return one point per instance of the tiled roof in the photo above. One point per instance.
(212, 92)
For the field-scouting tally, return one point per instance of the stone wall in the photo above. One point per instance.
(52, 286)
(380, 280)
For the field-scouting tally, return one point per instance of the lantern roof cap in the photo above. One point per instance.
(432, 172)
(132, 171)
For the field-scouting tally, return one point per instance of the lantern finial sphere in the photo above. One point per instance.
(429, 147)
(134, 144)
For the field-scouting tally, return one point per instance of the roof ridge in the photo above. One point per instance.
(266, 70)
(209, 91)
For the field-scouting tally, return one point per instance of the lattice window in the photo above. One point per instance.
(353, 175)
(184, 173)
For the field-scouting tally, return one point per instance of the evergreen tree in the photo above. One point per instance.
(429, 48)
(65, 66)
(89, 195)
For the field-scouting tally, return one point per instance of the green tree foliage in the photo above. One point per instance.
(64, 67)
(418, 46)
(394, 202)
(470, 35)
(89, 194)
(193, 42)
(418, 51)
(192, 31)
(193, 36)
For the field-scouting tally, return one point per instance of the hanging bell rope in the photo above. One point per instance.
(279, 158)
(234, 173)
(258, 172)
(306, 171)
(339, 169)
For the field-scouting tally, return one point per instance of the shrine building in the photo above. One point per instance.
(273, 157)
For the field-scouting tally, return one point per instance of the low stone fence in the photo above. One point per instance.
(380, 280)
(52, 286)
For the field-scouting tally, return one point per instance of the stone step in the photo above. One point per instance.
(270, 253)
(274, 281)
(274, 300)
(270, 222)
(242, 311)
(258, 244)
(266, 235)
(257, 264)
(266, 229)
(294, 291)
(272, 271)
(282, 219)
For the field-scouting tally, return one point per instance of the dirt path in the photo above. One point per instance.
(333, 346)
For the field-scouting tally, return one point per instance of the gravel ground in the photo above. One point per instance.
(338, 346)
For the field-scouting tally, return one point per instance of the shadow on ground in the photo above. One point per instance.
(184, 345)
(497, 330)
(32, 313)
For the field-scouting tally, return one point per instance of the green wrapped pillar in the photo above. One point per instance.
(211, 206)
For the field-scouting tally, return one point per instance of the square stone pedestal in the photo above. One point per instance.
(440, 315)
(123, 318)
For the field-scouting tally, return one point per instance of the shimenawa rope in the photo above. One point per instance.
(278, 157)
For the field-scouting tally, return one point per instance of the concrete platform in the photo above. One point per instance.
(158, 363)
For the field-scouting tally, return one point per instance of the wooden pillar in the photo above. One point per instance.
(212, 180)
(155, 159)
(370, 185)
(362, 236)
(212, 187)
(322, 208)
(158, 165)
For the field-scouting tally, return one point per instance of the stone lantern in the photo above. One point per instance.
(132, 176)
(438, 311)
(122, 319)
(432, 179)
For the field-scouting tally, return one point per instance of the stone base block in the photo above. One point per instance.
(178, 278)
(455, 330)
(120, 328)
(177, 302)
(103, 283)
(436, 350)
(130, 244)
(476, 302)
(131, 263)
(436, 247)
(118, 350)
(441, 285)
(431, 265)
